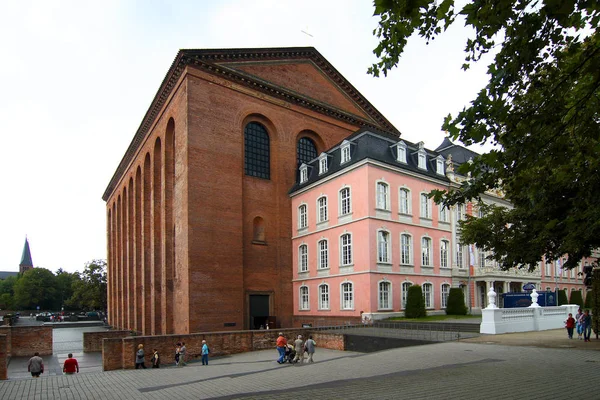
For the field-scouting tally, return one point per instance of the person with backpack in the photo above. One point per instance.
(204, 352)
(155, 360)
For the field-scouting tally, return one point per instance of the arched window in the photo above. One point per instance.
(445, 292)
(405, 247)
(404, 201)
(426, 251)
(405, 286)
(347, 296)
(345, 201)
(304, 303)
(383, 193)
(324, 297)
(383, 247)
(302, 216)
(257, 156)
(385, 295)
(259, 230)
(306, 151)
(303, 258)
(323, 254)
(428, 295)
(346, 249)
(322, 206)
(444, 246)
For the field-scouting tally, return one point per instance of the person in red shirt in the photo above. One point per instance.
(281, 345)
(71, 366)
(570, 324)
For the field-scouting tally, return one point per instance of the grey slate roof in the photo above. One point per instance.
(6, 274)
(26, 257)
(460, 154)
(367, 143)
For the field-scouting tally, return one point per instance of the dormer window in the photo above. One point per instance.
(439, 162)
(345, 150)
(303, 173)
(401, 152)
(322, 163)
(422, 156)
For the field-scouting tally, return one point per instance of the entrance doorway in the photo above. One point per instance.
(259, 310)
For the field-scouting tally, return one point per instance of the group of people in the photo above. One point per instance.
(300, 347)
(180, 356)
(582, 322)
(36, 365)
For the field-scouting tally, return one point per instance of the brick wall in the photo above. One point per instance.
(92, 341)
(3, 359)
(23, 341)
(119, 353)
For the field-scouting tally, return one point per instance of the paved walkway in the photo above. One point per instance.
(450, 370)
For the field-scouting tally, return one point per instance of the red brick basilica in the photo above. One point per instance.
(199, 220)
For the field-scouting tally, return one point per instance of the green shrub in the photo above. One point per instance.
(415, 303)
(562, 297)
(576, 298)
(456, 303)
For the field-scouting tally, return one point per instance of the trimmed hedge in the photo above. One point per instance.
(456, 303)
(415, 303)
(562, 297)
(576, 298)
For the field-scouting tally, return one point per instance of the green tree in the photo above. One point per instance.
(576, 298)
(589, 297)
(89, 292)
(456, 302)
(540, 107)
(36, 287)
(64, 287)
(415, 303)
(7, 292)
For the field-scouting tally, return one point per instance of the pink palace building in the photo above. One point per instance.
(366, 230)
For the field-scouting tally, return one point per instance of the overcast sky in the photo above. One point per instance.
(76, 78)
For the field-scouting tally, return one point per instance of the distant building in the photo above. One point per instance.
(26, 263)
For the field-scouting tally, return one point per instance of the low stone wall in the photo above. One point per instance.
(3, 358)
(527, 319)
(119, 353)
(92, 341)
(23, 341)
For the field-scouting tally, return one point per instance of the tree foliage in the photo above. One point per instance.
(541, 107)
(37, 287)
(456, 302)
(415, 303)
(89, 292)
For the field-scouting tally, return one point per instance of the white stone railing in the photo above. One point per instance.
(533, 318)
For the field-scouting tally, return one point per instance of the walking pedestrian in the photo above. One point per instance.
(570, 325)
(281, 345)
(299, 348)
(177, 354)
(140, 357)
(587, 326)
(182, 351)
(155, 360)
(204, 352)
(36, 365)
(579, 323)
(310, 348)
(71, 365)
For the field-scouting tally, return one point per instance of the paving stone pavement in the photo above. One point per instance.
(449, 370)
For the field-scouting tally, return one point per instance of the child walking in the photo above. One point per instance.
(570, 325)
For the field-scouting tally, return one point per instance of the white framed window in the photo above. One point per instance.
(405, 286)
(405, 249)
(481, 257)
(347, 291)
(439, 165)
(303, 173)
(401, 152)
(460, 257)
(385, 295)
(460, 212)
(444, 247)
(323, 254)
(422, 156)
(324, 296)
(428, 295)
(383, 196)
(302, 216)
(444, 214)
(323, 163)
(345, 150)
(425, 206)
(345, 201)
(322, 206)
(304, 299)
(303, 258)
(426, 251)
(383, 247)
(346, 249)
(480, 213)
(444, 293)
(404, 199)
(548, 269)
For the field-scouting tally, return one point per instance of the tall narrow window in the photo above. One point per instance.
(346, 249)
(404, 201)
(345, 203)
(439, 165)
(405, 245)
(426, 251)
(382, 196)
(304, 303)
(303, 257)
(425, 206)
(323, 254)
(302, 217)
(345, 152)
(306, 151)
(322, 202)
(303, 173)
(257, 151)
(443, 213)
(324, 297)
(445, 292)
(383, 247)
(428, 295)
(405, 286)
(444, 246)
(460, 263)
(347, 296)
(401, 152)
(481, 257)
(385, 289)
(422, 161)
(460, 213)
(322, 163)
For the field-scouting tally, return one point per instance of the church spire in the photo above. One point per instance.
(26, 262)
